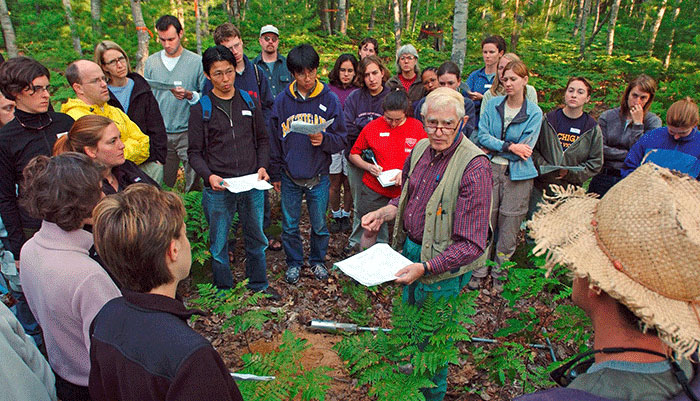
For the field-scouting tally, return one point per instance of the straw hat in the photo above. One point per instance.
(640, 244)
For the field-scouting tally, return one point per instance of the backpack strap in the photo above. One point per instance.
(257, 77)
(251, 106)
(205, 102)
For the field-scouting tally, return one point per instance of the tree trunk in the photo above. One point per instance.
(325, 21)
(244, 8)
(546, 18)
(96, 13)
(515, 34)
(597, 15)
(677, 11)
(657, 24)
(198, 26)
(408, 14)
(205, 18)
(459, 32)
(8, 31)
(181, 13)
(600, 26)
(584, 24)
(73, 30)
(341, 22)
(397, 23)
(415, 17)
(579, 15)
(235, 10)
(142, 35)
(611, 26)
(644, 23)
(631, 8)
(372, 17)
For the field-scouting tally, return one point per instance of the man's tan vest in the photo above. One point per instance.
(437, 232)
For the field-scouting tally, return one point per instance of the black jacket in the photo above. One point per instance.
(19, 143)
(231, 149)
(144, 111)
(141, 348)
(127, 174)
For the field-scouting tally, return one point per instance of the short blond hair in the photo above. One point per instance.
(133, 230)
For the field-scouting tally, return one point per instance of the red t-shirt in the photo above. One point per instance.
(390, 147)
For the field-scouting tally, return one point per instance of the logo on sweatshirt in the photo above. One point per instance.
(305, 117)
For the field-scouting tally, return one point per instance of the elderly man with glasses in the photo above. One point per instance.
(442, 215)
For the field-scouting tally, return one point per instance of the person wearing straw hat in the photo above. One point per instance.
(634, 256)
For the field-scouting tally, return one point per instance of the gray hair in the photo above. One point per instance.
(441, 98)
(408, 49)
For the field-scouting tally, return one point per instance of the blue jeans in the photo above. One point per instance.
(219, 209)
(316, 204)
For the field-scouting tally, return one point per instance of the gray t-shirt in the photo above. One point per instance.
(632, 381)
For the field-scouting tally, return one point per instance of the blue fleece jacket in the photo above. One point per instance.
(291, 151)
(525, 128)
(659, 138)
(478, 81)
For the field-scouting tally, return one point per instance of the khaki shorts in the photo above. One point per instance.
(339, 164)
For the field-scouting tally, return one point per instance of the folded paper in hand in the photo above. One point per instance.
(305, 128)
(246, 183)
(160, 85)
(549, 168)
(376, 265)
(386, 178)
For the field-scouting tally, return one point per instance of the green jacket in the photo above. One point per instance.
(586, 152)
(437, 232)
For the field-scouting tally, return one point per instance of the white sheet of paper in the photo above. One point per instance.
(246, 183)
(305, 128)
(549, 168)
(376, 265)
(249, 377)
(385, 177)
(160, 85)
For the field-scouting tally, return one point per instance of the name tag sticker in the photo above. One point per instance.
(61, 134)
(177, 83)
(383, 134)
(246, 113)
(575, 130)
(322, 107)
(487, 86)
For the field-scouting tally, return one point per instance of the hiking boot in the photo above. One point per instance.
(292, 274)
(350, 250)
(474, 283)
(345, 224)
(320, 272)
(496, 286)
(273, 294)
(335, 225)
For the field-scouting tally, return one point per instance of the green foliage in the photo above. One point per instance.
(197, 226)
(237, 305)
(567, 326)
(291, 379)
(361, 315)
(513, 362)
(396, 365)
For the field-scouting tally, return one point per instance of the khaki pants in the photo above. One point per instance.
(355, 180)
(177, 151)
(509, 204)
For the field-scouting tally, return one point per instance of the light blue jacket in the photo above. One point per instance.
(525, 128)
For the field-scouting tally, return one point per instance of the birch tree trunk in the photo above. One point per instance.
(415, 17)
(657, 24)
(546, 19)
(611, 26)
(397, 23)
(408, 14)
(677, 11)
(597, 15)
(341, 18)
(205, 18)
(325, 21)
(584, 24)
(181, 13)
(198, 26)
(142, 35)
(8, 30)
(459, 32)
(372, 17)
(579, 15)
(96, 13)
(73, 30)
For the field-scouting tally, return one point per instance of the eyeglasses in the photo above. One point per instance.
(432, 127)
(112, 63)
(407, 57)
(34, 89)
(270, 38)
(220, 74)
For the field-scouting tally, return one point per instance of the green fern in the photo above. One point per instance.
(196, 226)
(237, 305)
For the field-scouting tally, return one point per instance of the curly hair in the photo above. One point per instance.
(62, 190)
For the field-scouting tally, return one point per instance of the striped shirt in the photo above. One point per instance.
(471, 220)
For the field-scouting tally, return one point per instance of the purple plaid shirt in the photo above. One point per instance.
(471, 218)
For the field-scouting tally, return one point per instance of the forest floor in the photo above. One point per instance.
(334, 300)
